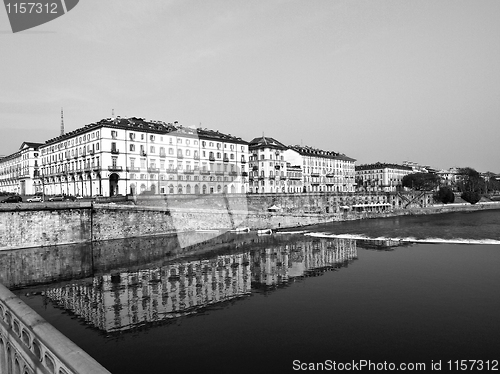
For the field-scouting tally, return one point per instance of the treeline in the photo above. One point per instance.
(469, 183)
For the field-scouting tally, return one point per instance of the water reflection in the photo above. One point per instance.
(119, 301)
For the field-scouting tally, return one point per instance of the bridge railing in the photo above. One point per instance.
(29, 344)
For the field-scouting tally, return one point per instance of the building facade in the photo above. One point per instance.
(268, 167)
(133, 156)
(323, 171)
(381, 176)
(19, 172)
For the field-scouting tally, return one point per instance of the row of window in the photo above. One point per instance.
(71, 142)
(152, 138)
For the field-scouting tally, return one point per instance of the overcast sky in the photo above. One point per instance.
(384, 81)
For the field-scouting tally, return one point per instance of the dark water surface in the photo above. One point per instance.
(259, 303)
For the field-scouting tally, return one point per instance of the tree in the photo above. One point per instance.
(470, 181)
(471, 196)
(445, 195)
(421, 181)
(471, 185)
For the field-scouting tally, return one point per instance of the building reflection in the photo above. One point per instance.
(120, 301)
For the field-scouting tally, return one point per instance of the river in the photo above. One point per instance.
(409, 289)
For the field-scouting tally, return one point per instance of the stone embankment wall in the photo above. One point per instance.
(35, 225)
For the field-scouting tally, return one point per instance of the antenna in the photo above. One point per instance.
(62, 122)
(112, 113)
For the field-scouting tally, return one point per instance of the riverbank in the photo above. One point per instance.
(41, 225)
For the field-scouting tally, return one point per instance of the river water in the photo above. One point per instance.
(412, 289)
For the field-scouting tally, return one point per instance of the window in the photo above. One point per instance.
(114, 134)
(132, 147)
(152, 149)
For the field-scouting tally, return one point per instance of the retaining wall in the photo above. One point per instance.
(38, 225)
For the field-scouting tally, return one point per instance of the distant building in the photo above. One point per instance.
(323, 171)
(19, 172)
(134, 156)
(381, 176)
(294, 178)
(268, 168)
(448, 177)
(417, 168)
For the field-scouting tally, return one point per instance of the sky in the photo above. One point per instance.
(377, 80)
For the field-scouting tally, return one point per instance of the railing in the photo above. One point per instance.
(35, 346)
(115, 151)
(115, 168)
(133, 169)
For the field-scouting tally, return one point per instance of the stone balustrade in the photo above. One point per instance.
(29, 344)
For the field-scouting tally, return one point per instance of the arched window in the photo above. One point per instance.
(188, 189)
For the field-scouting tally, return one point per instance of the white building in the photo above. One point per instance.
(19, 171)
(133, 156)
(381, 176)
(323, 171)
(268, 171)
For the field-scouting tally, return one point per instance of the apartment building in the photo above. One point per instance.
(133, 156)
(323, 171)
(19, 171)
(268, 167)
(381, 176)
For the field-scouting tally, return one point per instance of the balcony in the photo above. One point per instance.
(243, 161)
(133, 169)
(143, 153)
(153, 170)
(196, 157)
(255, 168)
(314, 175)
(233, 173)
(188, 171)
(244, 174)
(205, 172)
(226, 159)
(115, 168)
(277, 167)
(163, 155)
(179, 155)
(96, 169)
(211, 158)
(115, 151)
